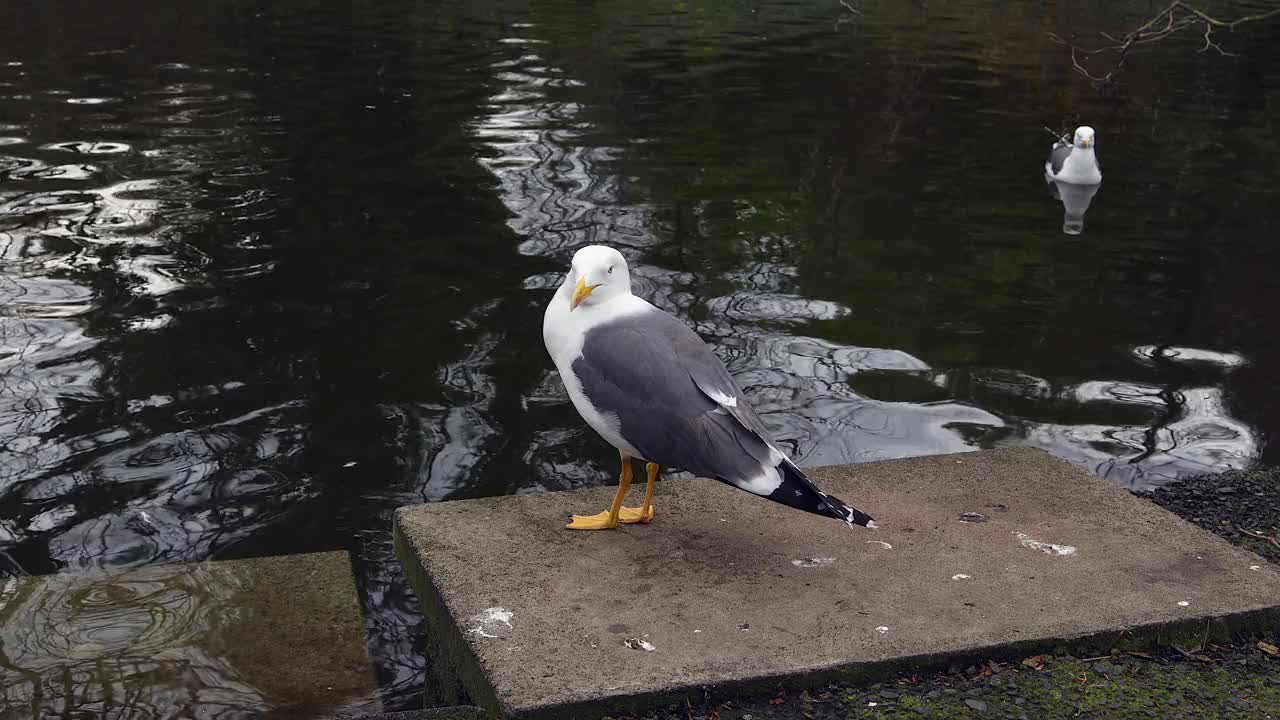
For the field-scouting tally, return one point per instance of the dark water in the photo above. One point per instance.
(270, 270)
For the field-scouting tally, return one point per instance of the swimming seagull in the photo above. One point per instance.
(653, 389)
(1076, 162)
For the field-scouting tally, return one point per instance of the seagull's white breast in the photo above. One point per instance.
(564, 332)
(1080, 168)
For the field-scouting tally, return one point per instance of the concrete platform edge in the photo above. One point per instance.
(458, 712)
(451, 658)
(1186, 633)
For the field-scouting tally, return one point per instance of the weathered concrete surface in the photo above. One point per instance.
(456, 712)
(733, 590)
(264, 637)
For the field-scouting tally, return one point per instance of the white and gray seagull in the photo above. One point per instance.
(1074, 162)
(655, 391)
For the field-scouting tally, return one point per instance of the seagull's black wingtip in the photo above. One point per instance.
(858, 518)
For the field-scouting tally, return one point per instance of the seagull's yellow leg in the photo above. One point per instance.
(608, 519)
(642, 514)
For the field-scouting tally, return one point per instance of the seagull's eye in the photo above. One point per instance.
(610, 269)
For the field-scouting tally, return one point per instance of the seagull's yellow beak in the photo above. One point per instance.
(580, 293)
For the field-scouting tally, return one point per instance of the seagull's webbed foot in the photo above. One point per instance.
(605, 520)
(634, 515)
(644, 513)
(610, 518)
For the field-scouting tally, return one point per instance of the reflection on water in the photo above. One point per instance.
(1075, 201)
(269, 273)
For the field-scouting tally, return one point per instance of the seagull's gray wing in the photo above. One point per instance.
(1058, 157)
(658, 378)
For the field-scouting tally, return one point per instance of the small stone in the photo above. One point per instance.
(978, 705)
(1148, 702)
(953, 691)
(747, 716)
(1019, 701)
(973, 692)
(1226, 490)
(889, 694)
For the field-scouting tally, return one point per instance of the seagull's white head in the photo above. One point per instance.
(598, 274)
(1084, 137)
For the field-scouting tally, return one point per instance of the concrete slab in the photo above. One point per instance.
(455, 712)
(267, 637)
(732, 591)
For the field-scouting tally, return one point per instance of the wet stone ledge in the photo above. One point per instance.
(275, 636)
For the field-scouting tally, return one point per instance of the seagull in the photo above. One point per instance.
(648, 385)
(1076, 162)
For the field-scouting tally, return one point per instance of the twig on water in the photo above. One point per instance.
(1057, 136)
(1175, 18)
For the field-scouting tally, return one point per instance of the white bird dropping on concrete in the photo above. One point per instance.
(489, 622)
(813, 562)
(1045, 547)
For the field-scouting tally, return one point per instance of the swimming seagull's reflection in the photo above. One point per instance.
(1075, 202)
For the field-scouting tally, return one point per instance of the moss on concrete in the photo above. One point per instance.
(1071, 688)
(294, 626)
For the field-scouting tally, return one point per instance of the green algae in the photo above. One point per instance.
(1072, 688)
